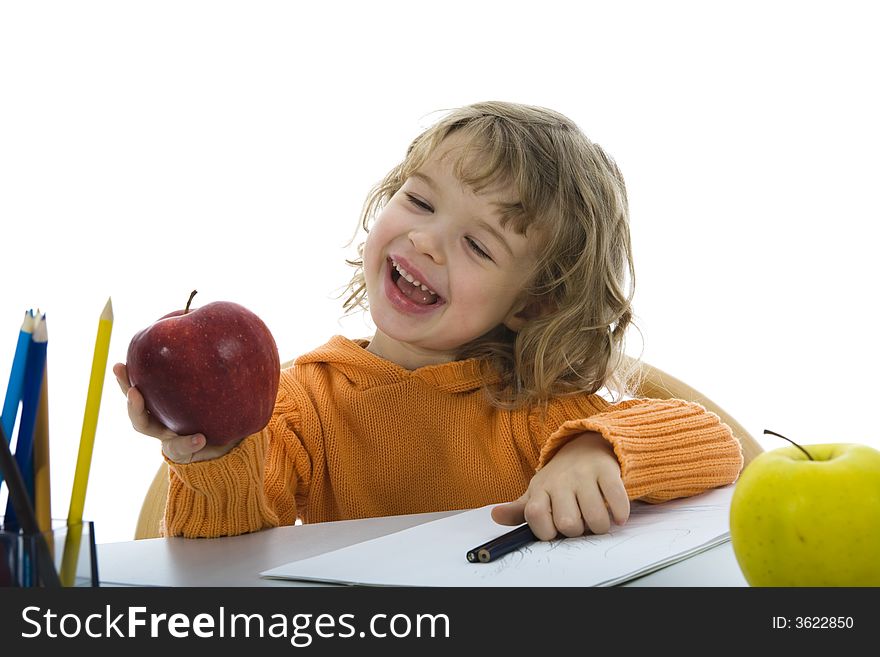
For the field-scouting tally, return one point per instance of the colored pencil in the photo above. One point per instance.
(11, 403)
(86, 443)
(42, 478)
(30, 401)
(16, 376)
(25, 512)
(498, 547)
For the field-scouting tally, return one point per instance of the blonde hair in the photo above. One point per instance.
(572, 197)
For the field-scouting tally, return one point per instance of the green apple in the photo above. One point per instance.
(801, 522)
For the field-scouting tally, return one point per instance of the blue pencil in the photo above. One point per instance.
(16, 377)
(30, 401)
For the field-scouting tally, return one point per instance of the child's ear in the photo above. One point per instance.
(526, 312)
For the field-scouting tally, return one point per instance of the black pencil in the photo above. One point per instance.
(500, 546)
(20, 499)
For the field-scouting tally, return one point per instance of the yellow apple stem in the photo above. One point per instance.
(773, 433)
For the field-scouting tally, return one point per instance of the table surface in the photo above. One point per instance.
(238, 560)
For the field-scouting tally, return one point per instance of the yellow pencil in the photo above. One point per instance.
(86, 442)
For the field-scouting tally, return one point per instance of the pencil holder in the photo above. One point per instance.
(70, 550)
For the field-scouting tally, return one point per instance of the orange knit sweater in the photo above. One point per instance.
(354, 436)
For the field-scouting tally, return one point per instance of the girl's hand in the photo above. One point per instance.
(180, 449)
(580, 489)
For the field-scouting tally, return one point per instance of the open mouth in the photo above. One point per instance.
(412, 288)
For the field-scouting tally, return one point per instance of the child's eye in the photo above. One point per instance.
(476, 249)
(419, 203)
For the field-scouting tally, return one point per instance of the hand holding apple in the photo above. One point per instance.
(809, 516)
(212, 370)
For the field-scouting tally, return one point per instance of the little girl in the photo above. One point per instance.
(497, 271)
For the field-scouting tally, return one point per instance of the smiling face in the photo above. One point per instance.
(440, 269)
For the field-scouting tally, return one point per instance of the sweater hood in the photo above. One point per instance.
(366, 369)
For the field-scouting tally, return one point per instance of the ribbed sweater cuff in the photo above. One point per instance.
(220, 497)
(666, 449)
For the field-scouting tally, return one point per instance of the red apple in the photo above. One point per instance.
(212, 370)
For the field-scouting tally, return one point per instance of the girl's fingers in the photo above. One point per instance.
(181, 449)
(121, 373)
(137, 413)
(615, 496)
(593, 509)
(538, 513)
(566, 514)
(511, 513)
(142, 421)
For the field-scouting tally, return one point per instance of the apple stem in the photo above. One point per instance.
(773, 433)
(189, 301)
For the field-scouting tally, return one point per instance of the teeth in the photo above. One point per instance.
(412, 279)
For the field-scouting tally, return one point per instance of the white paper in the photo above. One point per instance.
(433, 554)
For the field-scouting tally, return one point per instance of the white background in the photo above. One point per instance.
(150, 148)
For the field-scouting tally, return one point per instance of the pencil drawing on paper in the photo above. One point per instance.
(641, 534)
(432, 554)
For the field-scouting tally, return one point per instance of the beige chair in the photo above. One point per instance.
(655, 383)
(153, 507)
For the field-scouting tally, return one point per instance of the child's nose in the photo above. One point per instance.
(427, 242)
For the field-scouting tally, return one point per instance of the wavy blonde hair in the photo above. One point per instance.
(572, 199)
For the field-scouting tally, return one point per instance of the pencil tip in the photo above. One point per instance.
(41, 332)
(108, 310)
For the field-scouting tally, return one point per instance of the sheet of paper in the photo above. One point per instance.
(433, 554)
